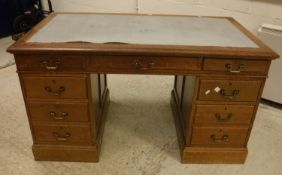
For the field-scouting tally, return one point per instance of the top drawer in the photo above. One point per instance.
(55, 87)
(229, 90)
(143, 64)
(236, 66)
(50, 62)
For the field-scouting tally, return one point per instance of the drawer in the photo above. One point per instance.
(236, 66)
(62, 134)
(50, 62)
(223, 114)
(58, 111)
(224, 136)
(57, 87)
(133, 64)
(229, 90)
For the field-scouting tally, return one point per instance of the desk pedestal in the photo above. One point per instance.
(203, 155)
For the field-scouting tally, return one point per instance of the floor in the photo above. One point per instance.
(139, 138)
(6, 59)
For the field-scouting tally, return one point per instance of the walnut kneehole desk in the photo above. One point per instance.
(220, 70)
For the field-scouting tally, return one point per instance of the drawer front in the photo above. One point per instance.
(55, 87)
(229, 90)
(58, 112)
(224, 136)
(133, 64)
(60, 134)
(223, 114)
(236, 66)
(50, 63)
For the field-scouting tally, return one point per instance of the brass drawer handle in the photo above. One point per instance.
(151, 64)
(224, 138)
(55, 93)
(137, 64)
(219, 118)
(61, 138)
(240, 68)
(56, 117)
(49, 66)
(233, 94)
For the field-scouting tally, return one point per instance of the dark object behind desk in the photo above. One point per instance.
(8, 12)
(17, 16)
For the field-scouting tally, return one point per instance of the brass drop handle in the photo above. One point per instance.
(55, 93)
(233, 94)
(137, 64)
(151, 64)
(219, 118)
(49, 66)
(56, 117)
(215, 139)
(240, 68)
(59, 137)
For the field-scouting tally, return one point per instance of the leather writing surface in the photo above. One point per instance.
(145, 29)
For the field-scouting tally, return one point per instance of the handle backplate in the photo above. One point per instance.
(137, 64)
(64, 137)
(219, 118)
(231, 68)
(55, 116)
(220, 139)
(55, 93)
(51, 66)
(232, 95)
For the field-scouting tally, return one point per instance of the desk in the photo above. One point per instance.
(220, 70)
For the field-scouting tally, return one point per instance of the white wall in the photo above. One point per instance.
(251, 13)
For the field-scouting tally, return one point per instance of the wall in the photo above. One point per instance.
(251, 13)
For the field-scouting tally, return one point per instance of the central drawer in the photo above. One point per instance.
(55, 87)
(62, 134)
(133, 63)
(58, 111)
(229, 90)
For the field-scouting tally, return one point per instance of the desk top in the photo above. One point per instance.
(124, 34)
(131, 29)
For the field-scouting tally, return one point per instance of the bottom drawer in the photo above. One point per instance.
(60, 134)
(223, 136)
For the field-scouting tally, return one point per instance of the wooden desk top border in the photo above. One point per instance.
(23, 47)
